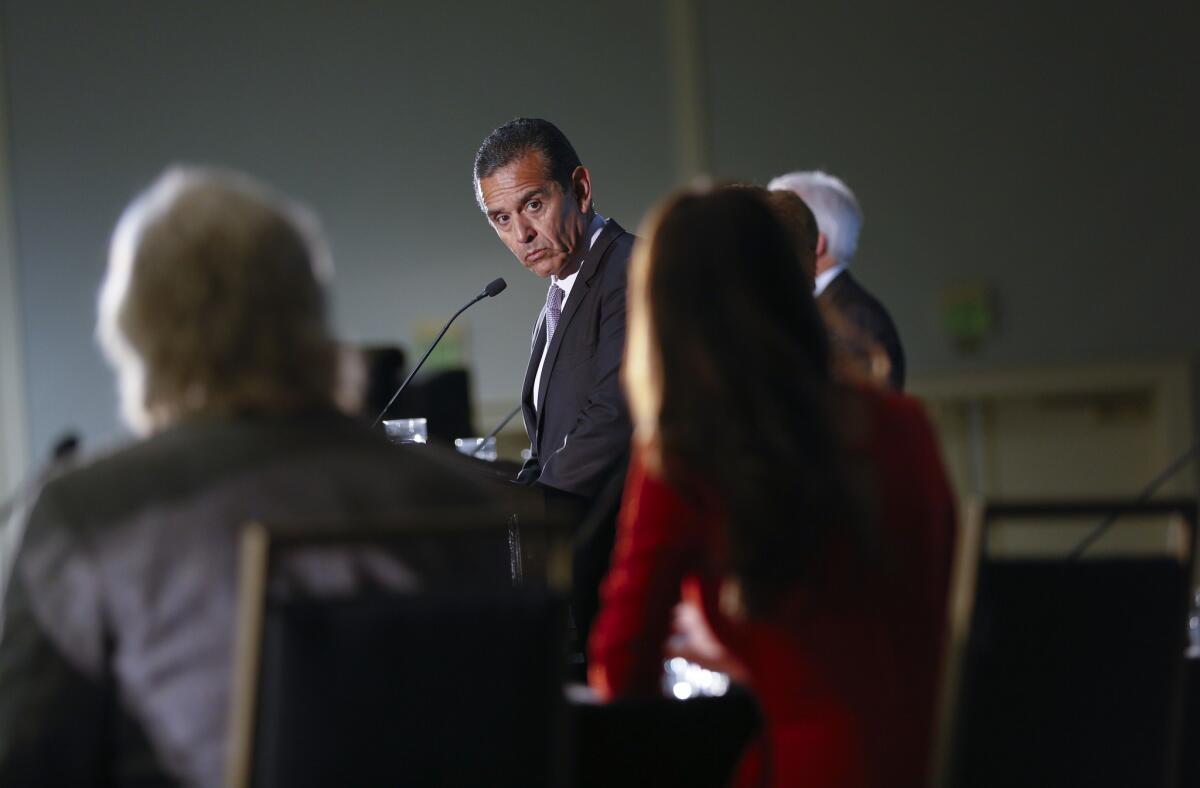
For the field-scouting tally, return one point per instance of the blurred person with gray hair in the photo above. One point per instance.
(116, 626)
(839, 219)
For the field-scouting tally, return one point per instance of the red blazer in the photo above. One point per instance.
(846, 670)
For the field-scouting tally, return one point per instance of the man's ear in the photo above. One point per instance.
(822, 245)
(581, 188)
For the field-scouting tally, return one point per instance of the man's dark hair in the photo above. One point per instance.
(514, 139)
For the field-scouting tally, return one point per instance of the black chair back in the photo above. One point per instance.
(433, 667)
(419, 690)
(1072, 674)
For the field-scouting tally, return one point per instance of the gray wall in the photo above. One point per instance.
(1050, 149)
(1047, 151)
(372, 117)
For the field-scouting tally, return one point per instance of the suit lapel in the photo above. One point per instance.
(589, 268)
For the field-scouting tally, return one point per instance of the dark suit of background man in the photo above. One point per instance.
(839, 220)
(537, 195)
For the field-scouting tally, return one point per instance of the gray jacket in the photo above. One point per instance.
(117, 631)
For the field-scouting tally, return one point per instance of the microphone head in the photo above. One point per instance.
(495, 287)
(66, 447)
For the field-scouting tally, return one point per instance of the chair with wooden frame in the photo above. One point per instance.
(450, 676)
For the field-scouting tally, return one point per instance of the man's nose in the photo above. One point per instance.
(524, 229)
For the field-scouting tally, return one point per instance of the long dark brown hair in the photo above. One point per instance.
(728, 374)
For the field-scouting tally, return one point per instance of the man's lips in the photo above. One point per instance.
(536, 255)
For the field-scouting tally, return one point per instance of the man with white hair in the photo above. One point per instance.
(116, 627)
(839, 220)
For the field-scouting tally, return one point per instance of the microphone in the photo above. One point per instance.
(493, 289)
(64, 452)
(1178, 464)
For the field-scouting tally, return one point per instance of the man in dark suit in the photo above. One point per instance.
(538, 198)
(537, 195)
(839, 220)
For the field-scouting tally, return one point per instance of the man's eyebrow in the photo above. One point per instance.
(529, 195)
(526, 197)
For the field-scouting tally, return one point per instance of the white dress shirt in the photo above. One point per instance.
(566, 283)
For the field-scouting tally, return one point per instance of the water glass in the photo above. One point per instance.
(683, 680)
(407, 430)
(477, 447)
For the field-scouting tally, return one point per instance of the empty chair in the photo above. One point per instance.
(1072, 674)
(446, 673)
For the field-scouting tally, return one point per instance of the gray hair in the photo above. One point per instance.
(831, 201)
(214, 300)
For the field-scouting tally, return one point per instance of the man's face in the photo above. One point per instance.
(540, 223)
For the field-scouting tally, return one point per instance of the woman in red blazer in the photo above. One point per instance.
(810, 521)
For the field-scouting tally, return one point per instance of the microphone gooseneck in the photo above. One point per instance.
(494, 288)
(496, 430)
(1178, 464)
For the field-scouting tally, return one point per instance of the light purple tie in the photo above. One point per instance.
(554, 299)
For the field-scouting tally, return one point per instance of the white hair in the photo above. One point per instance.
(831, 201)
(214, 299)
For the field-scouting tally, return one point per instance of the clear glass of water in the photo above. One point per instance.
(477, 447)
(683, 680)
(407, 430)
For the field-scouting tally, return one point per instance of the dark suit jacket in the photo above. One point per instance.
(579, 433)
(117, 643)
(865, 312)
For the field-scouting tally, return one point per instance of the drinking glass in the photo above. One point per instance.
(477, 447)
(406, 430)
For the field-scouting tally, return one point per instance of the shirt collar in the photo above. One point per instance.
(567, 282)
(825, 277)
